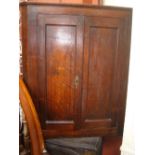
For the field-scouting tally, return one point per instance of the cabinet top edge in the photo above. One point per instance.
(75, 5)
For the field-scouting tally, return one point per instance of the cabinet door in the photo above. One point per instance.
(106, 56)
(60, 49)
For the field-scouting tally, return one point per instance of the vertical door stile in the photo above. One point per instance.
(79, 71)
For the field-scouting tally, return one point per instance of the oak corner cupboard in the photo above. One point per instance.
(75, 65)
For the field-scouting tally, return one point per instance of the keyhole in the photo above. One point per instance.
(76, 81)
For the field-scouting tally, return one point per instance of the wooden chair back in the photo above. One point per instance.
(37, 141)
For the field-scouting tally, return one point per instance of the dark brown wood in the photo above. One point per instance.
(111, 145)
(101, 38)
(75, 64)
(58, 44)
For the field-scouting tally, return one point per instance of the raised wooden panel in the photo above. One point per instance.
(59, 38)
(60, 56)
(100, 73)
(101, 48)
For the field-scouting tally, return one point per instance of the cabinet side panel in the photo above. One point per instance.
(29, 55)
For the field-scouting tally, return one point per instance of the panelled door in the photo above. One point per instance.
(60, 48)
(102, 42)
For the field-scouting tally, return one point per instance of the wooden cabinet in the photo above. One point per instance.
(75, 64)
